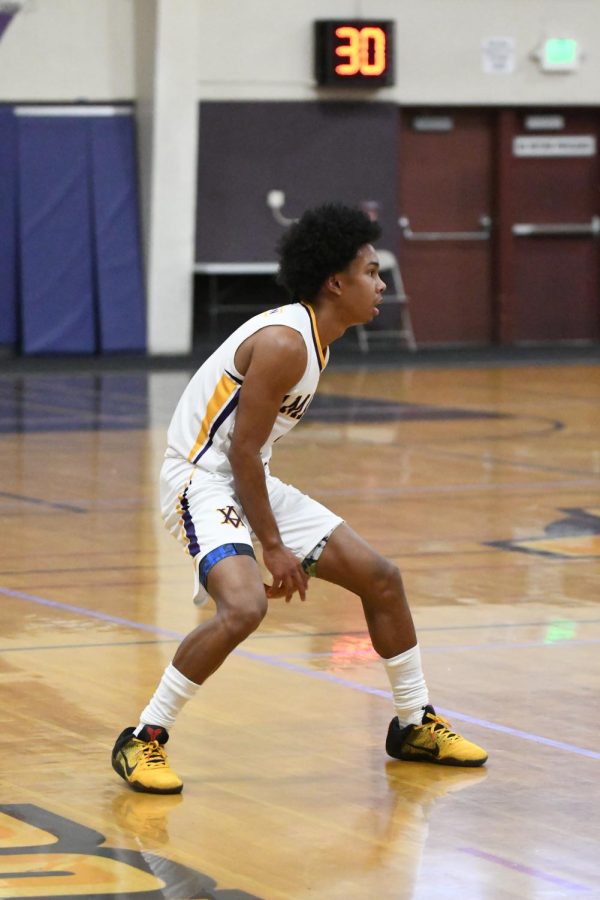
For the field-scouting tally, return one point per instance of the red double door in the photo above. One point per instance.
(500, 225)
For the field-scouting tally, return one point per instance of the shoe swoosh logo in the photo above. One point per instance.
(435, 752)
(129, 770)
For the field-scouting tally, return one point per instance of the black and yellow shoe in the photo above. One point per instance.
(433, 741)
(142, 762)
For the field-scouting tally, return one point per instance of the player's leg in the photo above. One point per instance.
(331, 550)
(204, 516)
(231, 576)
(235, 584)
(351, 562)
(416, 733)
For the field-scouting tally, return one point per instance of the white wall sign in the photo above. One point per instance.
(544, 123)
(498, 55)
(549, 145)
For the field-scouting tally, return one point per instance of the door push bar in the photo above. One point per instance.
(559, 229)
(483, 234)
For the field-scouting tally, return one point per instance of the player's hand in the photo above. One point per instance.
(288, 574)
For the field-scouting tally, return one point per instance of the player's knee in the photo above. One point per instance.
(388, 582)
(240, 620)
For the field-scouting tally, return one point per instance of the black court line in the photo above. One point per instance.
(504, 566)
(303, 635)
(408, 444)
(85, 646)
(570, 398)
(39, 501)
(515, 463)
(364, 632)
(86, 569)
(446, 648)
(179, 571)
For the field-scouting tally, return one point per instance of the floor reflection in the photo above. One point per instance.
(144, 816)
(123, 400)
(82, 402)
(397, 826)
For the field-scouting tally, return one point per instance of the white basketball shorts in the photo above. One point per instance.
(203, 512)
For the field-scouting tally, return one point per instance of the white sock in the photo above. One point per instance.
(408, 685)
(171, 695)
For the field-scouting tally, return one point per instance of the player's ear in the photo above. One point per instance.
(333, 283)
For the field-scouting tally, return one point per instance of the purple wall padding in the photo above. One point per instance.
(8, 227)
(121, 305)
(57, 297)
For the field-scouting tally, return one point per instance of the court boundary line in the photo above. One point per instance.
(525, 870)
(475, 648)
(302, 670)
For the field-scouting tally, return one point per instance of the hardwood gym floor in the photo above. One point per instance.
(482, 482)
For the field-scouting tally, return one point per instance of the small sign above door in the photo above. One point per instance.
(544, 123)
(559, 145)
(433, 123)
(498, 55)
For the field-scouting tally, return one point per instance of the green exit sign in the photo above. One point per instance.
(560, 55)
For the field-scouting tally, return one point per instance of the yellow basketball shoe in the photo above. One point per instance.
(432, 741)
(142, 762)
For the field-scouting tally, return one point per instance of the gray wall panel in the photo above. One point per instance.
(314, 152)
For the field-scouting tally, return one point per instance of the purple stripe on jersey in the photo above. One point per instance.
(233, 377)
(217, 424)
(188, 524)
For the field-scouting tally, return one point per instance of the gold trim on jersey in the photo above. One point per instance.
(321, 354)
(225, 389)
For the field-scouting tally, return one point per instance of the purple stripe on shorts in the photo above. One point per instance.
(188, 524)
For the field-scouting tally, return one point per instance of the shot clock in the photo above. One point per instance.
(354, 52)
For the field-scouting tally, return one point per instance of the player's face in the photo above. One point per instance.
(362, 288)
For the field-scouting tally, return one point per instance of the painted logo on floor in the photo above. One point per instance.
(576, 536)
(46, 856)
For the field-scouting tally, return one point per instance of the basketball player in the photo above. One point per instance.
(217, 493)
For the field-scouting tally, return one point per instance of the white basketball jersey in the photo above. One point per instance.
(202, 424)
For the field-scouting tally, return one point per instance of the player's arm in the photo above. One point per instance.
(272, 362)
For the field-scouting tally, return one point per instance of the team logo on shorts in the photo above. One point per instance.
(230, 516)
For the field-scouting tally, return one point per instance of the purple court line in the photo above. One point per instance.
(525, 870)
(279, 663)
(91, 613)
(363, 631)
(525, 735)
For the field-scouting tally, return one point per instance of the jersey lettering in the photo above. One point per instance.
(297, 406)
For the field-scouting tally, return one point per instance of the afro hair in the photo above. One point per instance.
(323, 241)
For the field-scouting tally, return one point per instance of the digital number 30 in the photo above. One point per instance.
(364, 50)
